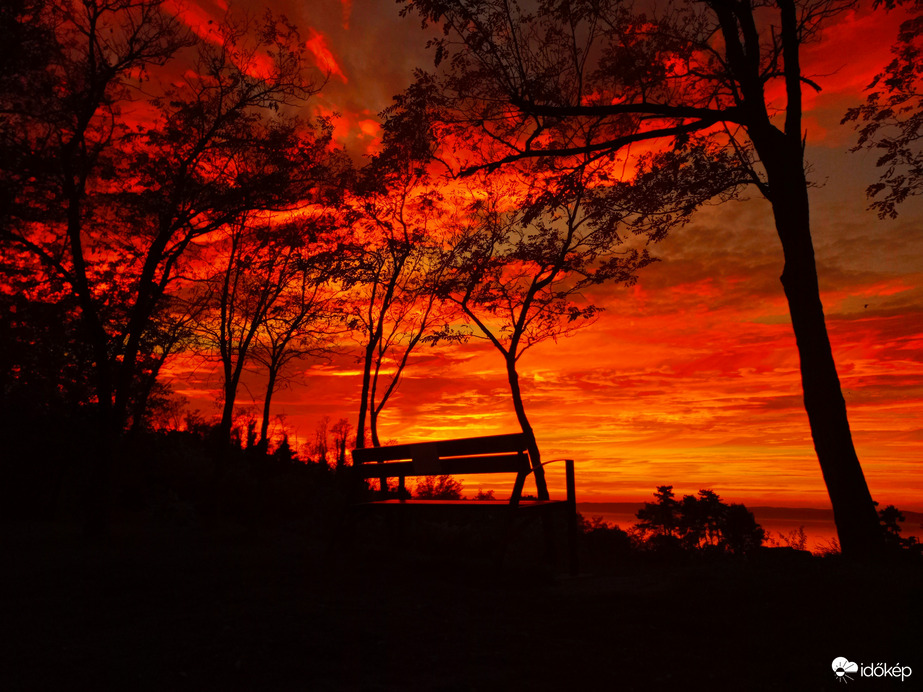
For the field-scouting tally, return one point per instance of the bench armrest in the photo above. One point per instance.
(569, 479)
(551, 461)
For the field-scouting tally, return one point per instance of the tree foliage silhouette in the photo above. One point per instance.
(891, 119)
(659, 517)
(396, 217)
(700, 522)
(567, 80)
(519, 262)
(891, 519)
(266, 284)
(302, 323)
(438, 488)
(117, 167)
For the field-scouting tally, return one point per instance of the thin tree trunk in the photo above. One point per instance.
(373, 426)
(375, 338)
(227, 414)
(537, 468)
(364, 400)
(264, 424)
(231, 383)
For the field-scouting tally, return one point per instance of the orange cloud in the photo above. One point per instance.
(691, 377)
(324, 57)
(357, 131)
(206, 25)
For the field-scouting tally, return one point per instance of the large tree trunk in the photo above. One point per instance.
(853, 509)
(537, 469)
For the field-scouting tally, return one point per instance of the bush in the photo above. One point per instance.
(602, 542)
(438, 488)
(699, 523)
(891, 519)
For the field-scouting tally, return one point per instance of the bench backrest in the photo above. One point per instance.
(470, 455)
(466, 456)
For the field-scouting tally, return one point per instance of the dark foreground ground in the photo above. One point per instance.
(234, 609)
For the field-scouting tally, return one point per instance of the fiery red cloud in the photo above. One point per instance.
(691, 377)
(202, 18)
(317, 44)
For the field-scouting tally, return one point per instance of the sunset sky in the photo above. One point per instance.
(690, 378)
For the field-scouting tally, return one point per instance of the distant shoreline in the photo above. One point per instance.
(759, 510)
(817, 523)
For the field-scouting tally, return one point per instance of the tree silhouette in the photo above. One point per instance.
(119, 166)
(301, 323)
(740, 534)
(891, 519)
(341, 430)
(699, 519)
(270, 294)
(659, 517)
(438, 488)
(594, 79)
(171, 331)
(70, 137)
(257, 266)
(396, 220)
(321, 445)
(44, 366)
(520, 262)
(699, 522)
(891, 119)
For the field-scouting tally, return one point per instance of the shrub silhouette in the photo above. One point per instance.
(438, 488)
(659, 517)
(891, 519)
(704, 522)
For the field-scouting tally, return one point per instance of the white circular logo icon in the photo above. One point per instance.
(842, 666)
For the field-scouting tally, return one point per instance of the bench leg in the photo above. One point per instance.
(572, 531)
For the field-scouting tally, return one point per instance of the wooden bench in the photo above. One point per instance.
(495, 454)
